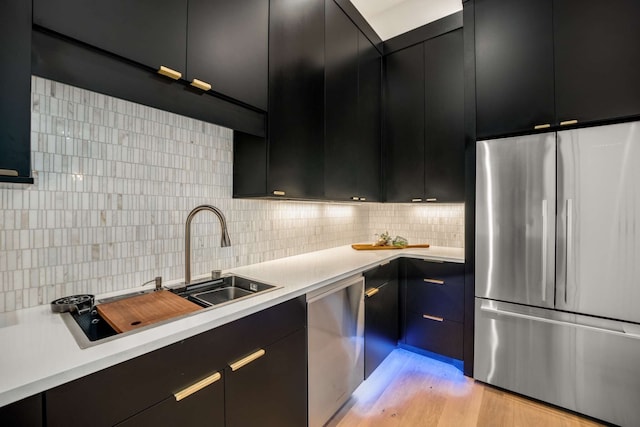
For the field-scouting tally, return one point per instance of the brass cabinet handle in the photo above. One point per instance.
(355, 198)
(435, 281)
(371, 292)
(362, 199)
(544, 126)
(8, 172)
(568, 122)
(432, 199)
(194, 388)
(417, 199)
(201, 85)
(246, 360)
(172, 74)
(436, 318)
(278, 193)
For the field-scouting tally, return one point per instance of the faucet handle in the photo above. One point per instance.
(157, 281)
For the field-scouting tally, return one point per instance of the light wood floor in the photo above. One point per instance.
(412, 390)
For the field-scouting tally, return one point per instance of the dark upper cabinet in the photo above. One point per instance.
(24, 413)
(597, 59)
(15, 86)
(381, 314)
(514, 65)
(549, 63)
(227, 46)
(444, 118)
(369, 119)
(296, 99)
(352, 110)
(404, 152)
(150, 32)
(424, 121)
(341, 105)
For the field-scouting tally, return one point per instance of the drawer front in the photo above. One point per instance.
(381, 274)
(443, 300)
(442, 337)
(449, 272)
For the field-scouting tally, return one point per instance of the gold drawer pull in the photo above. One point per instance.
(436, 318)
(201, 85)
(278, 193)
(432, 199)
(172, 74)
(568, 122)
(8, 172)
(194, 388)
(544, 126)
(435, 281)
(363, 199)
(246, 360)
(416, 200)
(355, 198)
(371, 292)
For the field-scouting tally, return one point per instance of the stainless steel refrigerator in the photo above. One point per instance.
(557, 309)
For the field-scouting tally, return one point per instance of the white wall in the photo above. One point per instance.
(114, 183)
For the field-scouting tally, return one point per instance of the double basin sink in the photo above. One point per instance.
(89, 328)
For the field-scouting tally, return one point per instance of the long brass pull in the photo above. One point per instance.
(246, 360)
(544, 126)
(432, 199)
(172, 74)
(416, 200)
(278, 193)
(8, 172)
(568, 122)
(201, 85)
(435, 281)
(436, 318)
(371, 292)
(194, 388)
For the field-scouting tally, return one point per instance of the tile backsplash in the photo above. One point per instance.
(114, 183)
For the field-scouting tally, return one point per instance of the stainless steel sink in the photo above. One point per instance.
(89, 328)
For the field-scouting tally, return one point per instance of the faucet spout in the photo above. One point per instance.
(224, 239)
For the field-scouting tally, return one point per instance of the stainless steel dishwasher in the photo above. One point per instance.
(335, 321)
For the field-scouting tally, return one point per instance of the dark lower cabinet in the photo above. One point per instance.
(143, 390)
(15, 87)
(381, 315)
(203, 408)
(23, 413)
(270, 391)
(433, 306)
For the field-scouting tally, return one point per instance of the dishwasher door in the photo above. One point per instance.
(335, 322)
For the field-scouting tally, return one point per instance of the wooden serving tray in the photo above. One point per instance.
(142, 310)
(370, 247)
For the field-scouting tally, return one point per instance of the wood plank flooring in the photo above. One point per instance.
(411, 390)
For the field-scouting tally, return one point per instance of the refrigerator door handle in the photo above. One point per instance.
(569, 247)
(486, 308)
(545, 238)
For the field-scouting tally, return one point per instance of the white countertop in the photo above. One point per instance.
(37, 351)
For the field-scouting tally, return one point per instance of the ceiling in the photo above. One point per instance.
(390, 18)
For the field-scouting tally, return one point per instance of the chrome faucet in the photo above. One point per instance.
(224, 239)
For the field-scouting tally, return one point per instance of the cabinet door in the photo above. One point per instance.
(203, 408)
(597, 59)
(514, 66)
(24, 413)
(341, 105)
(381, 330)
(444, 118)
(228, 47)
(296, 98)
(150, 32)
(271, 390)
(15, 86)
(369, 119)
(404, 124)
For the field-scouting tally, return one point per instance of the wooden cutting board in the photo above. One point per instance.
(370, 247)
(142, 310)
